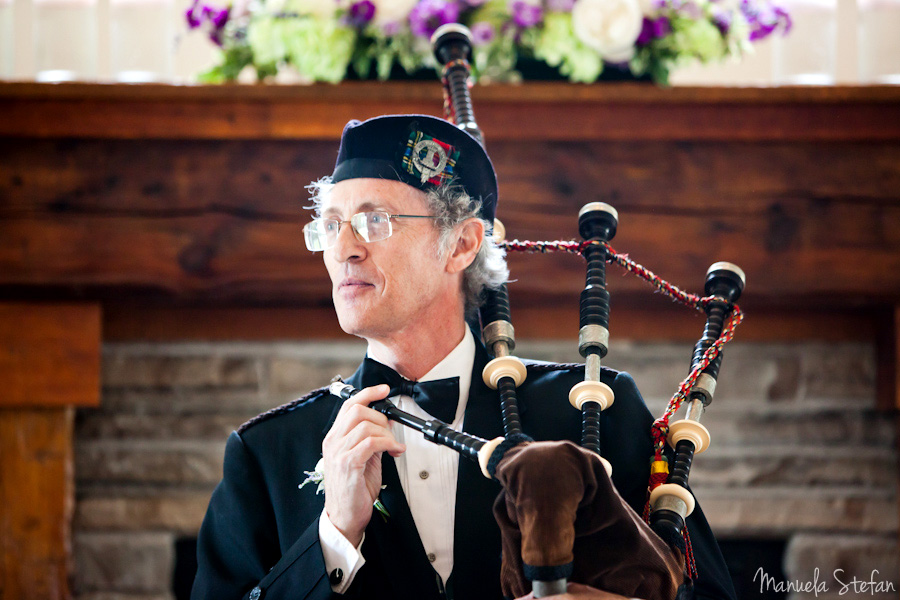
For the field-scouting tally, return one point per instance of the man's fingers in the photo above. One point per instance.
(370, 394)
(356, 409)
(365, 435)
(360, 454)
(366, 396)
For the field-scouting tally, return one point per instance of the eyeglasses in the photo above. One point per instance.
(374, 226)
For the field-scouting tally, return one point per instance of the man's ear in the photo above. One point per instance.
(470, 235)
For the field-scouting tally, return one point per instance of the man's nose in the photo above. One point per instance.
(347, 246)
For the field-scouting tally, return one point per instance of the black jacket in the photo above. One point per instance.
(259, 538)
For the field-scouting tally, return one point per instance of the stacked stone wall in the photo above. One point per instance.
(800, 453)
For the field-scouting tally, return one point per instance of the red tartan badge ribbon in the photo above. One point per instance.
(429, 158)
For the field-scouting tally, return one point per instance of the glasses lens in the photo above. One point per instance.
(320, 234)
(372, 226)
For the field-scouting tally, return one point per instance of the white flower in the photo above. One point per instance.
(608, 26)
(392, 11)
(316, 476)
(620, 56)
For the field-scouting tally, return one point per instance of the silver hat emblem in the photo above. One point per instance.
(430, 158)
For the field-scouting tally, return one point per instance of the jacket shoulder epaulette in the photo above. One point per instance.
(284, 408)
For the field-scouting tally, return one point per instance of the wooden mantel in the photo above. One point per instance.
(192, 195)
(528, 112)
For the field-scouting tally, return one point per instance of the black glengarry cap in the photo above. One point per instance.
(418, 150)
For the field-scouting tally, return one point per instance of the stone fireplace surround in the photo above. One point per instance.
(800, 455)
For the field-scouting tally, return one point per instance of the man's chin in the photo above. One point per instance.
(352, 325)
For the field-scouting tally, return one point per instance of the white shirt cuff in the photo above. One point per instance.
(339, 553)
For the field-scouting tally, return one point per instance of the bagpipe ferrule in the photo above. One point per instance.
(543, 589)
(670, 496)
(498, 232)
(594, 214)
(471, 128)
(593, 336)
(704, 388)
(731, 270)
(341, 389)
(690, 431)
(499, 332)
(484, 455)
(504, 366)
(591, 391)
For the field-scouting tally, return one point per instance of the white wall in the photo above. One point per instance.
(192, 53)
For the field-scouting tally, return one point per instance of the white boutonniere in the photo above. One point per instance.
(317, 476)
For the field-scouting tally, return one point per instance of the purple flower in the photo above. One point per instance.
(360, 13)
(560, 5)
(661, 27)
(722, 19)
(646, 34)
(215, 19)
(653, 29)
(218, 18)
(192, 20)
(526, 14)
(482, 33)
(428, 15)
(764, 18)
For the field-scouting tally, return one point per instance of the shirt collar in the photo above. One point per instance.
(458, 363)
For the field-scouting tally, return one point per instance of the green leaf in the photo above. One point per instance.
(320, 48)
(558, 46)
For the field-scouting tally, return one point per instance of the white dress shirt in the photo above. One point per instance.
(427, 472)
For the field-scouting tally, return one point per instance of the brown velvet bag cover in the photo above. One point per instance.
(559, 506)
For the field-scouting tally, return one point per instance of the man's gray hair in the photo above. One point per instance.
(451, 205)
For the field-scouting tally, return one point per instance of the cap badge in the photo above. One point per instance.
(429, 158)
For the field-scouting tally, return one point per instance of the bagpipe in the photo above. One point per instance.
(580, 529)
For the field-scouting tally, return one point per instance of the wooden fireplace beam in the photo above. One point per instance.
(49, 364)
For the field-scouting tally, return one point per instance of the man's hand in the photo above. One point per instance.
(577, 590)
(352, 451)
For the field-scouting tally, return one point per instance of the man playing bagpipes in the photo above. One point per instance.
(403, 227)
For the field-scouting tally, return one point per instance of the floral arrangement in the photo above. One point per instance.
(582, 40)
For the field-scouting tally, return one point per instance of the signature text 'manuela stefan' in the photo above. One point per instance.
(842, 583)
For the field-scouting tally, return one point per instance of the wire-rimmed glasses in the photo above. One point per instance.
(373, 226)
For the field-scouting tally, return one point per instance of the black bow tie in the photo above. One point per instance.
(438, 397)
